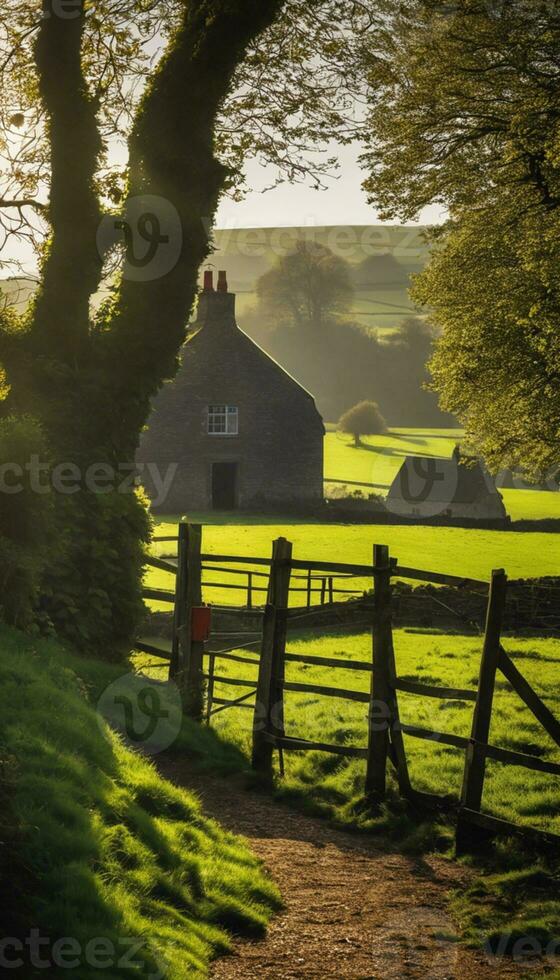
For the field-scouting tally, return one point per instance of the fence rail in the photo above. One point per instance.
(193, 663)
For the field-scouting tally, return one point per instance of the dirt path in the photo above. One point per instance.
(353, 910)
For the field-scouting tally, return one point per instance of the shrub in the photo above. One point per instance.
(56, 549)
(364, 419)
(102, 540)
(27, 521)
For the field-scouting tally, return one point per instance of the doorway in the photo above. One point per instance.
(224, 486)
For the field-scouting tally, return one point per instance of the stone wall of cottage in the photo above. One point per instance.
(279, 448)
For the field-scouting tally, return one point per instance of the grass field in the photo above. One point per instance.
(378, 461)
(380, 309)
(457, 551)
(335, 785)
(517, 893)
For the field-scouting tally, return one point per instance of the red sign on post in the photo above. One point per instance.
(200, 623)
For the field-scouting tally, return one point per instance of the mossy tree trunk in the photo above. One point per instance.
(90, 383)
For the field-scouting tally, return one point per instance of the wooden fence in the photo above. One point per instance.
(263, 645)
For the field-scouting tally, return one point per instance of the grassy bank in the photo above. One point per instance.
(97, 846)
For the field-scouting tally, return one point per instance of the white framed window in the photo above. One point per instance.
(223, 420)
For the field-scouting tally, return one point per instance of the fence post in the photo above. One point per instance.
(249, 590)
(379, 718)
(397, 748)
(475, 760)
(309, 585)
(180, 606)
(210, 692)
(191, 652)
(269, 705)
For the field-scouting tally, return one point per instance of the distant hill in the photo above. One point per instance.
(383, 258)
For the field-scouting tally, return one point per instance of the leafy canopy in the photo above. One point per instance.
(298, 88)
(308, 285)
(466, 113)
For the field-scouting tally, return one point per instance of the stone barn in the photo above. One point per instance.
(233, 429)
(458, 488)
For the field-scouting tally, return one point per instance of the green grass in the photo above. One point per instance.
(457, 551)
(379, 459)
(97, 843)
(334, 785)
(515, 893)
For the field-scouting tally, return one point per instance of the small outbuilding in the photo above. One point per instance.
(457, 488)
(233, 429)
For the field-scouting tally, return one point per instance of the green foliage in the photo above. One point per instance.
(92, 588)
(364, 419)
(108, 848)
(496, 292)
(27, 522)
(72, 561)
(465, 114)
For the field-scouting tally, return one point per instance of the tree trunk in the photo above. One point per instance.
(91, 386)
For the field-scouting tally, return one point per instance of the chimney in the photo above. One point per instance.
(216, 306)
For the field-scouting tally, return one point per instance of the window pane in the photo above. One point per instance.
(223, 420)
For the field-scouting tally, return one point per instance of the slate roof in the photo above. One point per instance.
(440, 480)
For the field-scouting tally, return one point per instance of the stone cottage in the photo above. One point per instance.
(457, 488)
(233, 429)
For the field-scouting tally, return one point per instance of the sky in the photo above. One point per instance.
(343, 203)
(288, 205)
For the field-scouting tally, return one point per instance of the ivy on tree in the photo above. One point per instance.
(232, 78)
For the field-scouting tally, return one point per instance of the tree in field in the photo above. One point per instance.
(466, 113)
(308, 286)
(231, 78)
(364, 419)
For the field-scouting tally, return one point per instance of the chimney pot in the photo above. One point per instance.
(222, 282)
(208, 281)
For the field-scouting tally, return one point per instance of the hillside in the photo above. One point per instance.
(383, 258)
(97, 844)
